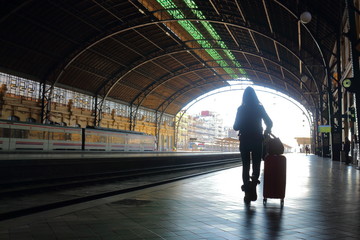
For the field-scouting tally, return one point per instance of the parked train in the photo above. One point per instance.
(17, 136)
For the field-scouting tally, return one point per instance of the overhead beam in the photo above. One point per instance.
(240, 10)
(254, 41)
(267, 16)
(215, 8)
(277, 51)
(232, 36)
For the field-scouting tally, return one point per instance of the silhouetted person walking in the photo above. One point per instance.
(307, 150)
(347, 150)
(248, 123)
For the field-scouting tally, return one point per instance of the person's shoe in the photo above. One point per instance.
(253, 195)
(247, 198)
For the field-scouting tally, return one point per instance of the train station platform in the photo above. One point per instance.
(322, 202)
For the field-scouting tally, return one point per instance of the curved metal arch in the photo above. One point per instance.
(288, 49)
(184, 90)
(139, 98)
(177, 50)
(181, 72)
(187, 88)
(123, 74)
(248, 27)
(150, 88)
(156, 56)
(320, 49)
(17, 8)
(263, 35)
(309, 32)
(292, 100)
(167, 53)
(101, 38)
(113, 33)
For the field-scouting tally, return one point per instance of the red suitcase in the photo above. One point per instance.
(274, 178)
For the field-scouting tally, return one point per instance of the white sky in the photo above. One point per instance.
(288, 120)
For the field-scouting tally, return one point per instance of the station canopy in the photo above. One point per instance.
(303, 140)
(163, 54)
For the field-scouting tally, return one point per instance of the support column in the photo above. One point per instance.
(157, 130)
(176, 131)
(45, 96)
(324, 136)
(352, 34)
(316, 146)
(357, 127)
(335, 139)
(335, 118)
(339, 88)
(132, 118)
(97, 110)
(336, 126)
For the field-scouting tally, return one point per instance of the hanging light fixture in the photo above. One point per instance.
(305, 17)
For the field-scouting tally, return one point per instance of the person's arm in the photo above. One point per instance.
(236, 126)
(267, 121)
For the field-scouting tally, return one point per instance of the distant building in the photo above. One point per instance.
(232, 133)
(303, 142)
(287, 148)
(201, 132)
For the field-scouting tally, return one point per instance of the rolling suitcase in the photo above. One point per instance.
(274, 178)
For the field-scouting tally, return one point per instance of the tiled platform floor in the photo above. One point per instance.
(322, 202)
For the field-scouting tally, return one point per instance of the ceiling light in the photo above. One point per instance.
(304, 78)
(305, 17)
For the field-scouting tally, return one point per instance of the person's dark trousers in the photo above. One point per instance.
(251, 149)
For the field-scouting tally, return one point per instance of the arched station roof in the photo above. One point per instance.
(163, 54)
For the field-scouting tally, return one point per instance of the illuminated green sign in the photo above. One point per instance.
(176, 13)
(324, 128)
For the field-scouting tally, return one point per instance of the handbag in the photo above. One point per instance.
(272, 145)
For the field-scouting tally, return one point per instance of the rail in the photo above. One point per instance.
(143, 178)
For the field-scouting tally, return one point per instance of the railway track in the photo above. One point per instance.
(125, 181)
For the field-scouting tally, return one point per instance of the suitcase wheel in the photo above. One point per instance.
(282, 203)
(265, 201)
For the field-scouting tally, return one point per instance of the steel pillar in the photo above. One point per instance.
(157, 129)
(325, 137)
(97, 110)
(352, 34)
(45, 96)
(336, 128)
